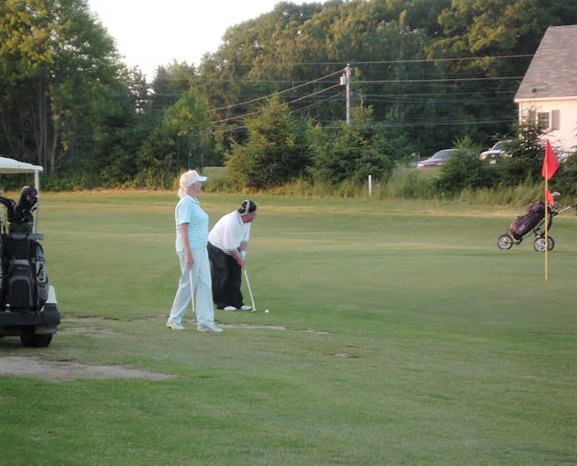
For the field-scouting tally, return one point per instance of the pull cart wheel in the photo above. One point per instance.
(505, 242)
(539, 244)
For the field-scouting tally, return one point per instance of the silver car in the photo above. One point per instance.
(498, 150)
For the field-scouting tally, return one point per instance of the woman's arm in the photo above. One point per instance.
(186, 244)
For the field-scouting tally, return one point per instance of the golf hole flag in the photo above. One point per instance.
(550, 163)
(550, 166)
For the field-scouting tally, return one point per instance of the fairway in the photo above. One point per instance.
(398, 334)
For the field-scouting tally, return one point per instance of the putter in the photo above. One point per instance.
(249, 290)
(191, 291)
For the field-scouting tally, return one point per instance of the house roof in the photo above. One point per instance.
(552, 73)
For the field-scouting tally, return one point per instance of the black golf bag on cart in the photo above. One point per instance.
(24, 279)
(533, 220)
(525, 223)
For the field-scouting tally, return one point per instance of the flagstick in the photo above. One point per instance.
(546, 223)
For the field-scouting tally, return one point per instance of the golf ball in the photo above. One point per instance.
(266, 311)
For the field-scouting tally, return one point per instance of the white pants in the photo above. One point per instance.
(202, 284)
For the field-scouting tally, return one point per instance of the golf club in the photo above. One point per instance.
(191, 291)
(249, 290)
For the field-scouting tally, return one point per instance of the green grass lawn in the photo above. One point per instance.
(398, 334)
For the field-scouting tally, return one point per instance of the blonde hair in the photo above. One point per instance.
(187, 179)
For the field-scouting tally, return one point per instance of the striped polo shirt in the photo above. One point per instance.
(188, 210)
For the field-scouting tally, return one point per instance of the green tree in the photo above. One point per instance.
(276, 150)
(351, 153)
(119, 145)
(188, 118)
(527, 153)
(169, 84)
(59, 81)
(503, 34)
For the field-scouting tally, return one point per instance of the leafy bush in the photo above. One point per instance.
(465, 170)
(74, 182)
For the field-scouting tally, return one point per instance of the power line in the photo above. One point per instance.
(407, 97)
(435, 60)
(449, 80)
(277, 93)
(260, 111)
(316, 104)
(377, 62)
(304, 83)
(314, 93)
(450, 123)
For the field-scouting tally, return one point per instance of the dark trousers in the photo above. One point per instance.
(226, 279)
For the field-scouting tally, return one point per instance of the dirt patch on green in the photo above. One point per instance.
(59, 371)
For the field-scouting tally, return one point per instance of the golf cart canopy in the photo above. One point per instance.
(11, 166)
(15, 166)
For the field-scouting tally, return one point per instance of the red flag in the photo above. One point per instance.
(549, 197)
(550, 163)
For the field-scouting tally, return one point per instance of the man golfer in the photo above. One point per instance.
(227, 243)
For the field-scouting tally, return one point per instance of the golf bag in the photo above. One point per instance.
(525, 223)
(23, 275)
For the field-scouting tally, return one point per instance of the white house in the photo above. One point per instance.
(548, 92)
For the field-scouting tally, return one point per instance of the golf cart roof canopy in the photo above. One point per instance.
(14, 166)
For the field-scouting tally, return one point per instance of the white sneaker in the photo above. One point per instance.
(244, 307)
(209, 328)
(229, 308)
(174, 326)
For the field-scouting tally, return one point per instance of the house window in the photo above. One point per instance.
(543, 120)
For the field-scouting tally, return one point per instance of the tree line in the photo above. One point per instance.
(272, 103)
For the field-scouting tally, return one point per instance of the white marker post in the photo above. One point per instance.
(370, 185)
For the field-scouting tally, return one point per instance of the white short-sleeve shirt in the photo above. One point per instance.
(229, 232)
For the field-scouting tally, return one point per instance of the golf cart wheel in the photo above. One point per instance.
(35, 341)
(505, 242)
(539, 244)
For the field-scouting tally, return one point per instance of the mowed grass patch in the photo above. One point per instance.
(398, 334)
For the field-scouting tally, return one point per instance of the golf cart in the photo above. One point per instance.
(27, 301)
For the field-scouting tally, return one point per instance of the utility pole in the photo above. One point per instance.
(346, 81)
(201, 154)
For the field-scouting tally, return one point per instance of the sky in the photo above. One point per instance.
(149, 34)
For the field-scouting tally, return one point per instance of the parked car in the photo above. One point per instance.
(498, 150)
(437, 159)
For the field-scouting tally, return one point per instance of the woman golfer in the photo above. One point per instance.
(191, 239)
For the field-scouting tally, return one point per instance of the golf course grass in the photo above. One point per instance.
(398, 334)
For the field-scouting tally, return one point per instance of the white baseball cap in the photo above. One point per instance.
(187, 179)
